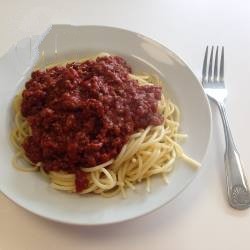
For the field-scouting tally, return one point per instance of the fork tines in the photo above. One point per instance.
(211, 74)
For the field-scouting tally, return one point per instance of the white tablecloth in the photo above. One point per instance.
(199, 218)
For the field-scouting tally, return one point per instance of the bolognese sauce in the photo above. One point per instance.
(82, 114)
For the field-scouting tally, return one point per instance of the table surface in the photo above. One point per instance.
(200, 218)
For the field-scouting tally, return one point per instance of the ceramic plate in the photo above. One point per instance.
(31, 191)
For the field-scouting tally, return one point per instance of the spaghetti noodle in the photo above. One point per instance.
(148, 152)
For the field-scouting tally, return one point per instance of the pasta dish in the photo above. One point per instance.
(93, 126)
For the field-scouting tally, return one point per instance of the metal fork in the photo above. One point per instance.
(213, 84)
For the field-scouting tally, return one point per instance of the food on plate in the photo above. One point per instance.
(92, 126)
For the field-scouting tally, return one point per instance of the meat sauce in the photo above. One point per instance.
(82, 114)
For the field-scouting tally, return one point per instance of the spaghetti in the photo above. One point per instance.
(148, 152)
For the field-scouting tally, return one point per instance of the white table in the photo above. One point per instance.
(199, 218)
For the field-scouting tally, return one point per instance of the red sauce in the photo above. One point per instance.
(81, 115)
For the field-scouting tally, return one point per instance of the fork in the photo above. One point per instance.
(213, 84)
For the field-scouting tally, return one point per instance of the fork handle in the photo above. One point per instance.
(237, 187)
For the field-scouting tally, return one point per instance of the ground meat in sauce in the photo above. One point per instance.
(81, 115)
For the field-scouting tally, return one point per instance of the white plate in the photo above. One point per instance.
(30, 191)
